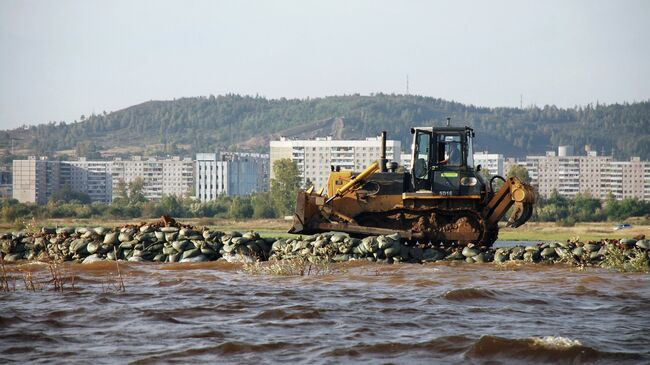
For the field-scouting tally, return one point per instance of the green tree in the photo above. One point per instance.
(121, 193)
(585, 208)
(240, 208)
(263, 206)
(171, 205)
(285, 185)
(66, 195)
(520, 172)
(136, 187)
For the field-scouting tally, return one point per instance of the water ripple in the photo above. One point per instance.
(366, 313)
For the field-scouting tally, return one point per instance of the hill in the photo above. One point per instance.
(195, 124)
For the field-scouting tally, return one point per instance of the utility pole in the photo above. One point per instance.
(521, 101)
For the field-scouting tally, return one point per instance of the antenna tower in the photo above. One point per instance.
(407, 84)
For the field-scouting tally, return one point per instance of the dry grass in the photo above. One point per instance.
(119, 281)
(634, 260)
(59, 277)
(4, 278)
(290, 267)
(30, 283)
(53, 275)
(533, 231)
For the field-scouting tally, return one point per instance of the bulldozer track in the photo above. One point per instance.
(432, 222)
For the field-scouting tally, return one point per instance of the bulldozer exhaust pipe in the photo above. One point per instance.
(382, 159)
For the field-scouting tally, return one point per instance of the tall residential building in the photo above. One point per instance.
(314, 157)
(629, 179)
(261, 161)
(596, 175)
(232, 174)
(493, 162)
(89, 177)
(6, 185)
(171, 176)
(34, 180)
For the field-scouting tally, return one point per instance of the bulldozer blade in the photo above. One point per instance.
(307, 211)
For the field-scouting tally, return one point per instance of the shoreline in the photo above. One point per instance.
(531, 231)
(167, 241)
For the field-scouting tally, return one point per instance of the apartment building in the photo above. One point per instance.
(171, 176)
(596, 175)
(89, 177)
(261, 161)
(6, 185)
(34, 179)
(629, 179)
(232, 174)
(314, 157)
(493, 162)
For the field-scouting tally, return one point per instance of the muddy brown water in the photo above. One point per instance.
(362, 313)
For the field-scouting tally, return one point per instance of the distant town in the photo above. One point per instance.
(210, 175)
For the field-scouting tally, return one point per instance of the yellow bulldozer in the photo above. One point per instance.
(440, 199)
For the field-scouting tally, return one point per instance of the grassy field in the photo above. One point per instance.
(585, 231)
(278, 228)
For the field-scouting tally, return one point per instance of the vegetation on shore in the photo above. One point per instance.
(132, 204)
(561, 211)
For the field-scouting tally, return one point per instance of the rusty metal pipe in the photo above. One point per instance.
(382, 158)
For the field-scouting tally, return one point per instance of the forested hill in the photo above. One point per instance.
(247, 123)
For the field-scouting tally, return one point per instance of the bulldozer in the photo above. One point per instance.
(441, 199)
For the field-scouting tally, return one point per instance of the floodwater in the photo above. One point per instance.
(361, 313)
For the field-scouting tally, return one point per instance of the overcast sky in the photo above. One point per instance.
(62, 59)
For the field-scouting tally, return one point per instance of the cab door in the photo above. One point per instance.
(422, 158)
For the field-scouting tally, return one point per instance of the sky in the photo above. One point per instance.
(63, 59)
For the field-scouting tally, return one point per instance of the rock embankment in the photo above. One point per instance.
(168, 241)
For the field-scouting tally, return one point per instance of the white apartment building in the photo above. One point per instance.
(315, 157)
(35, 179)
(233, 174)
(493, 162)
(172, 176)
(596, 175)
(89, 177)
(629, 179)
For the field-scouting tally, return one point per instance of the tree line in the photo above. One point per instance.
(130, 202)
(585, 208)
(190, 125)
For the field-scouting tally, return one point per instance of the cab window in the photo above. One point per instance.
(449, 149)
(421, 163)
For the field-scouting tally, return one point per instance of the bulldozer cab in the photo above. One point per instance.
(442, 158)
